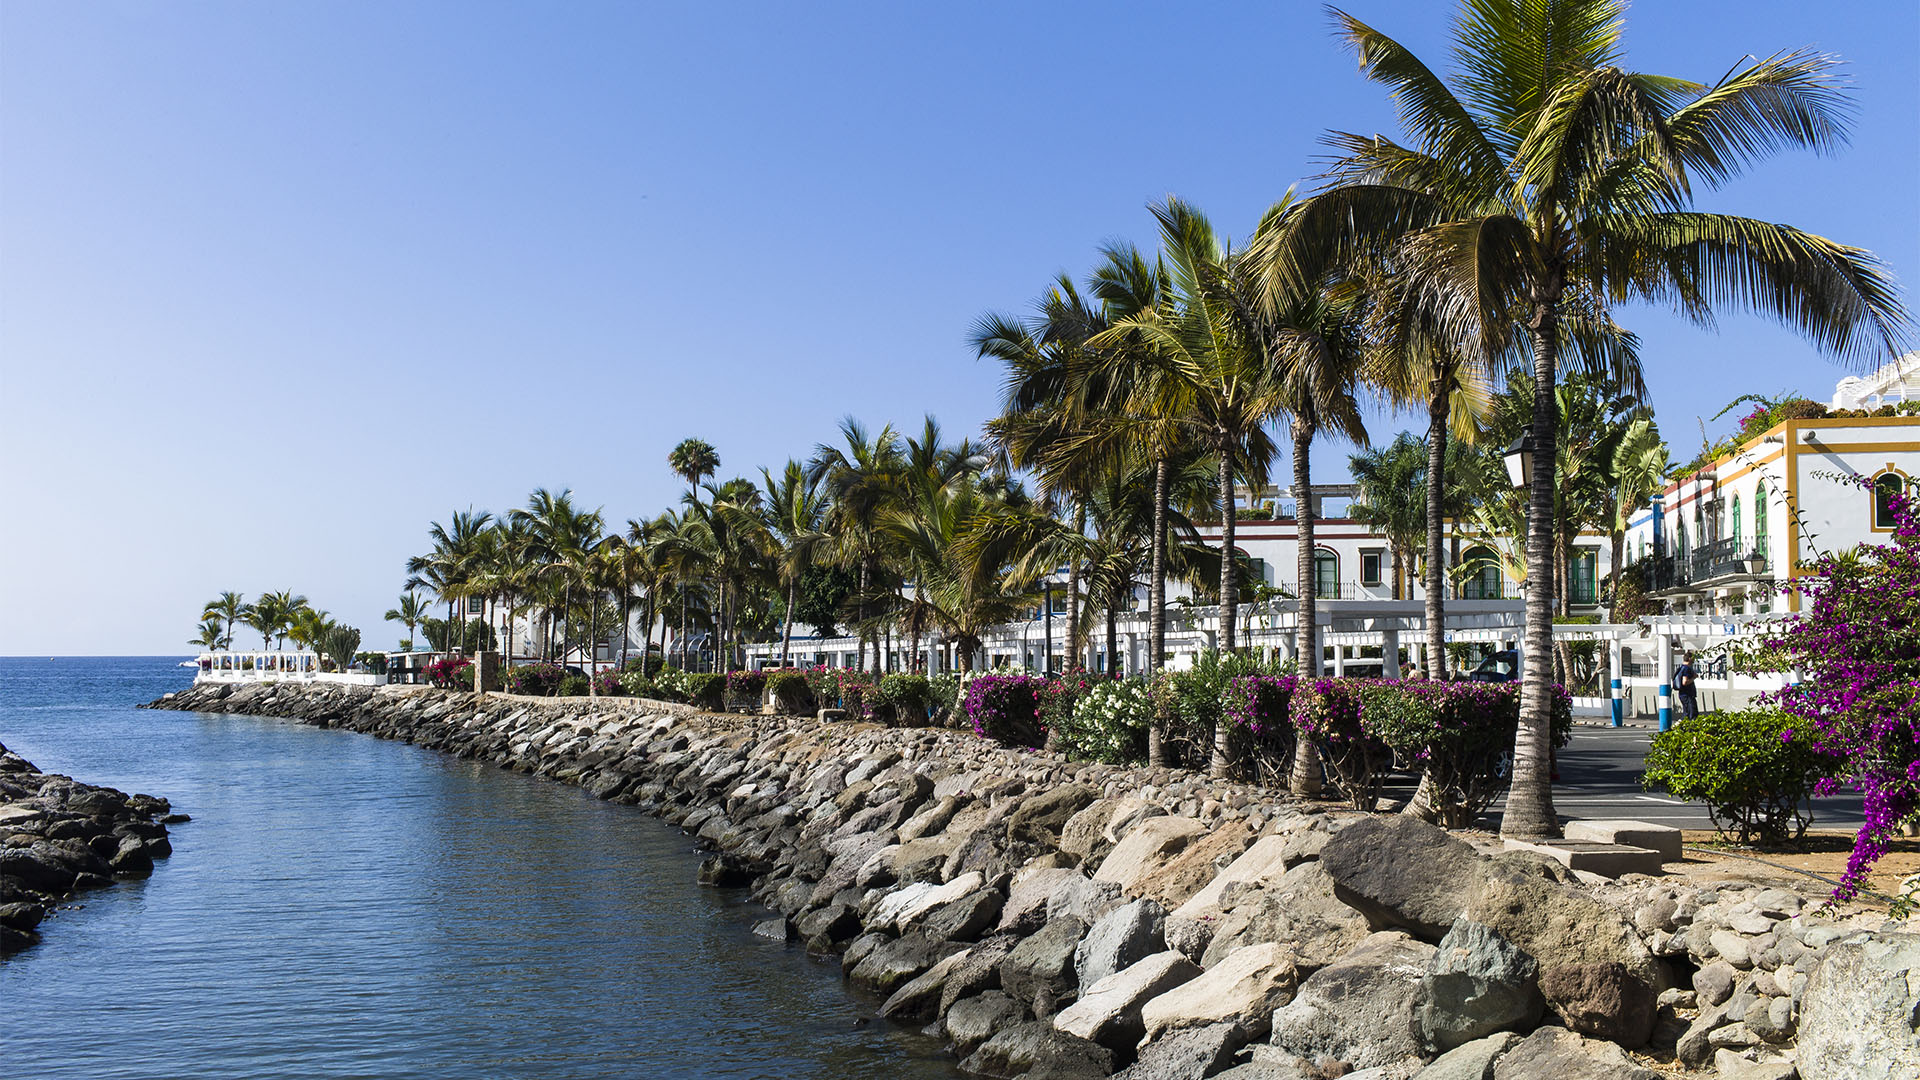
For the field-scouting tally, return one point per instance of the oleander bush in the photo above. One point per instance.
(540, 679)
(1108, 723)
(1006, 709)
(1756, 778)
(791, 692)
(745, 686)
(636, 684)
(572, 686)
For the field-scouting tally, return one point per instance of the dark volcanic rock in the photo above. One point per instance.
(1403, 873)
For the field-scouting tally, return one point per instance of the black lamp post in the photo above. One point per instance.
(1519, 459)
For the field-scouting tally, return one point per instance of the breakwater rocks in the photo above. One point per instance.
(1057, 919)
(59, 836)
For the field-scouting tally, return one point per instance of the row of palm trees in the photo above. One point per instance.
(1535, 188)
(276, 616)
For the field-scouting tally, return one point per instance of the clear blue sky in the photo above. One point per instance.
(280, 283)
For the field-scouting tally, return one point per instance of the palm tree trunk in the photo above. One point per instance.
(1157, 606)
(1530, 800)
(1617, 554)
(1076, 641)
(1305, 781)
(786, 632)
(1436, 559)
(1113, 635)
(860, 621)
(1229, 597)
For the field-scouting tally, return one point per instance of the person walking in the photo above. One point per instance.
(1685, 682)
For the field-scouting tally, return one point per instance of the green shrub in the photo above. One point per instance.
(1199, 696)
(1109, 723)
(572, 686)
(706, 691)
(746, 686)
(539, 680)
(791, 694)
(906, 696)
(943, 692)
(1756, 779)
(634, 684)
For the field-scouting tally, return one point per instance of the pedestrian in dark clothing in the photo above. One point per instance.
(1685, 683)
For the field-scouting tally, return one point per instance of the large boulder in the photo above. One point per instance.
(964, 919)
(1470, 1061)
(1360, 1008)
(1117, 939)
(1603, 1000)
(1264, 861)
(1479, 983)
(973, 1020)
(1244, 988)
(1146, 848)
(1108, 1011)
(1403, 873)
(1188, 1055)
(1553, 1053)
(1029, 893)
(1080, 898)
(979, 971)
(1860, 1013)
(1039, 819)
(1196, 865)
(1300, 910)
(1039, 1046)
(919, 1000)
(891, 965)
(1039, 972)
(1089, 835)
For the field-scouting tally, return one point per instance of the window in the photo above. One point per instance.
(1257, 571)
(1583, 576)
(1760, 518)
(1736, 523)
(475, 605)
(1326, 574)
(1485, 584)
(1370, 568)
(1059, 601)
(1885, 487)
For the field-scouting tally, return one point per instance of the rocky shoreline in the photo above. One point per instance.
(1056, 919)
(59, 837)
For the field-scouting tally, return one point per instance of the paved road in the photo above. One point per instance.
(1600, 778)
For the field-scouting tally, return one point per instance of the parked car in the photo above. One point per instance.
(1503, 666)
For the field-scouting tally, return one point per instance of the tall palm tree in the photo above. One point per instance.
(410, 612)
(693, 460)
(1639, 468)
(558, 533)
(449, 567)
(1549, 182)
(229, 608)
(861, 478)
(795, 512)
(1393, 499)
(213, 636)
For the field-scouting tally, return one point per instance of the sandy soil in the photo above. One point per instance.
(1821, 852)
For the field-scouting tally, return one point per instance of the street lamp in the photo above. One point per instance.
(1519, 459)
(1756, 564)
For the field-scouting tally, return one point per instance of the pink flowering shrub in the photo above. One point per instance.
(1256, 707)
(1858, 642)
(453, 673)
(1006, 709)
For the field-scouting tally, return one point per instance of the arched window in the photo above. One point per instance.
(1885, 487)
(1680, 545)
(1736, 523)
(1485, 584)
(1760, 517)
(1326, 574)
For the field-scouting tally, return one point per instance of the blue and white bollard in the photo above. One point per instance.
(1666, 707)
(1619, 709)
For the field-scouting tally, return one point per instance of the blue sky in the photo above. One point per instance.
(281, 283)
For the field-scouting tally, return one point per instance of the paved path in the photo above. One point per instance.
(1600, 778)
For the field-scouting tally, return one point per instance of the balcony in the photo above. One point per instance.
(1710, 563)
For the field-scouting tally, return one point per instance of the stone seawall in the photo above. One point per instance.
(1058, 919)
(59, 837)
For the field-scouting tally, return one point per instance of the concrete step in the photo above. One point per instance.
(1664, 839)
(1593, 857)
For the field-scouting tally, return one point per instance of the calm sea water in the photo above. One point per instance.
(341, 906)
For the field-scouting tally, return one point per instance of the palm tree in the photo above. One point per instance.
(861, 480)
(1393, 500)
(212, 636)
(273, 615)
(1640, 463)
(448, 569)
(557, 535)
(229, 608)
(1554, 183)
(309, 628)
(411, 612)
(693, 460)
(794, 515)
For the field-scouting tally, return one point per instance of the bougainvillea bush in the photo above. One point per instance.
(1857, 642)
(451, 673)
(1006, 709)
(607, 684)
(745, 687)
(538, 679)
(1328, 712)
(1258, 708)
(1108, 723)
(1459, 735)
